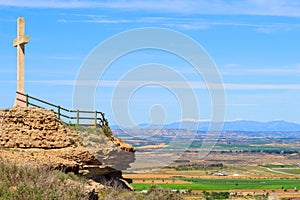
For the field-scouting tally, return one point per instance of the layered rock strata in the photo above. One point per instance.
(36, 137)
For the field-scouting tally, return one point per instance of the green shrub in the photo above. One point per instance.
(216, 195)
(158, 193)
(154, 193)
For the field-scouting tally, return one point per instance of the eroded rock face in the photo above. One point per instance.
(112, 151)
(36, 137)
(24, 127)
(124, 146)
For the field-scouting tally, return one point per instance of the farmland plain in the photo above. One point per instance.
(256, 163)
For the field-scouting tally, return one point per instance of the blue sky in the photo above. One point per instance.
(254, 43)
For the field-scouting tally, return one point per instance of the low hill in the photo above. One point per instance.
(239, 125)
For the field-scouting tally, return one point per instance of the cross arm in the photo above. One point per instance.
(21, 40)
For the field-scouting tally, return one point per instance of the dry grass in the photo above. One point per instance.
(26, 182)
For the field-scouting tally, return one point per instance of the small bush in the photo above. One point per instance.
(158, 193)
(154, 193)
(104, 125)
(216, 195)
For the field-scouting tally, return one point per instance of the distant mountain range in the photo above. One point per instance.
(239, 125)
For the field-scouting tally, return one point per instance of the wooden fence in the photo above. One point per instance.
(74, 115)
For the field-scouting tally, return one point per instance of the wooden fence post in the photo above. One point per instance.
(27, 103)
(58, 111)
(96, 119)
(77, 118)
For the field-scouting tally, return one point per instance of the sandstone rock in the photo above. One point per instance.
(107, 152)
(124, 146)
(30, 124)
(36, 137)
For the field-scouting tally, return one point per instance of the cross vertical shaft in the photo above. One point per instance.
(20, 42)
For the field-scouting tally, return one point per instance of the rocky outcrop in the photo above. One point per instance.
(123, 145)
(24, 127)
(111, 151)
(36, 137)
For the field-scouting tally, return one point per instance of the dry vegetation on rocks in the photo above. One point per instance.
(36, 137)
(38, 183)
(29, 183)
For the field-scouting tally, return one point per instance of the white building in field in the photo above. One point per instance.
(220, 174)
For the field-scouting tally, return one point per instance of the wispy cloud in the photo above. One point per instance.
(262, 86)
(243, 7)
(171, 84)
(102, 20)
(182, 23)
(241, 104)
(66, 57)
(46, 4)
(264, 28)
(238, 70)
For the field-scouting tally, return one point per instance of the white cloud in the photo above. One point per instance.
(241, 104)
(243, 7)
(188, 26)
(46, 4)
(182, 23)
(262, 86)
(102, 21)
(66, 57)
(274, 71)
(172, 84)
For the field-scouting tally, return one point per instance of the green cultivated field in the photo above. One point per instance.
(280, 166)
(291, 171)
(227, 184)
(251, 147)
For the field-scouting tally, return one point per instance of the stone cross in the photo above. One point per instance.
(20, 42)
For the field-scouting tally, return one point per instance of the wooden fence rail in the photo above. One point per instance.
(63, 112)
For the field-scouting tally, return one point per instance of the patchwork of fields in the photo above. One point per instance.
(239, 163)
